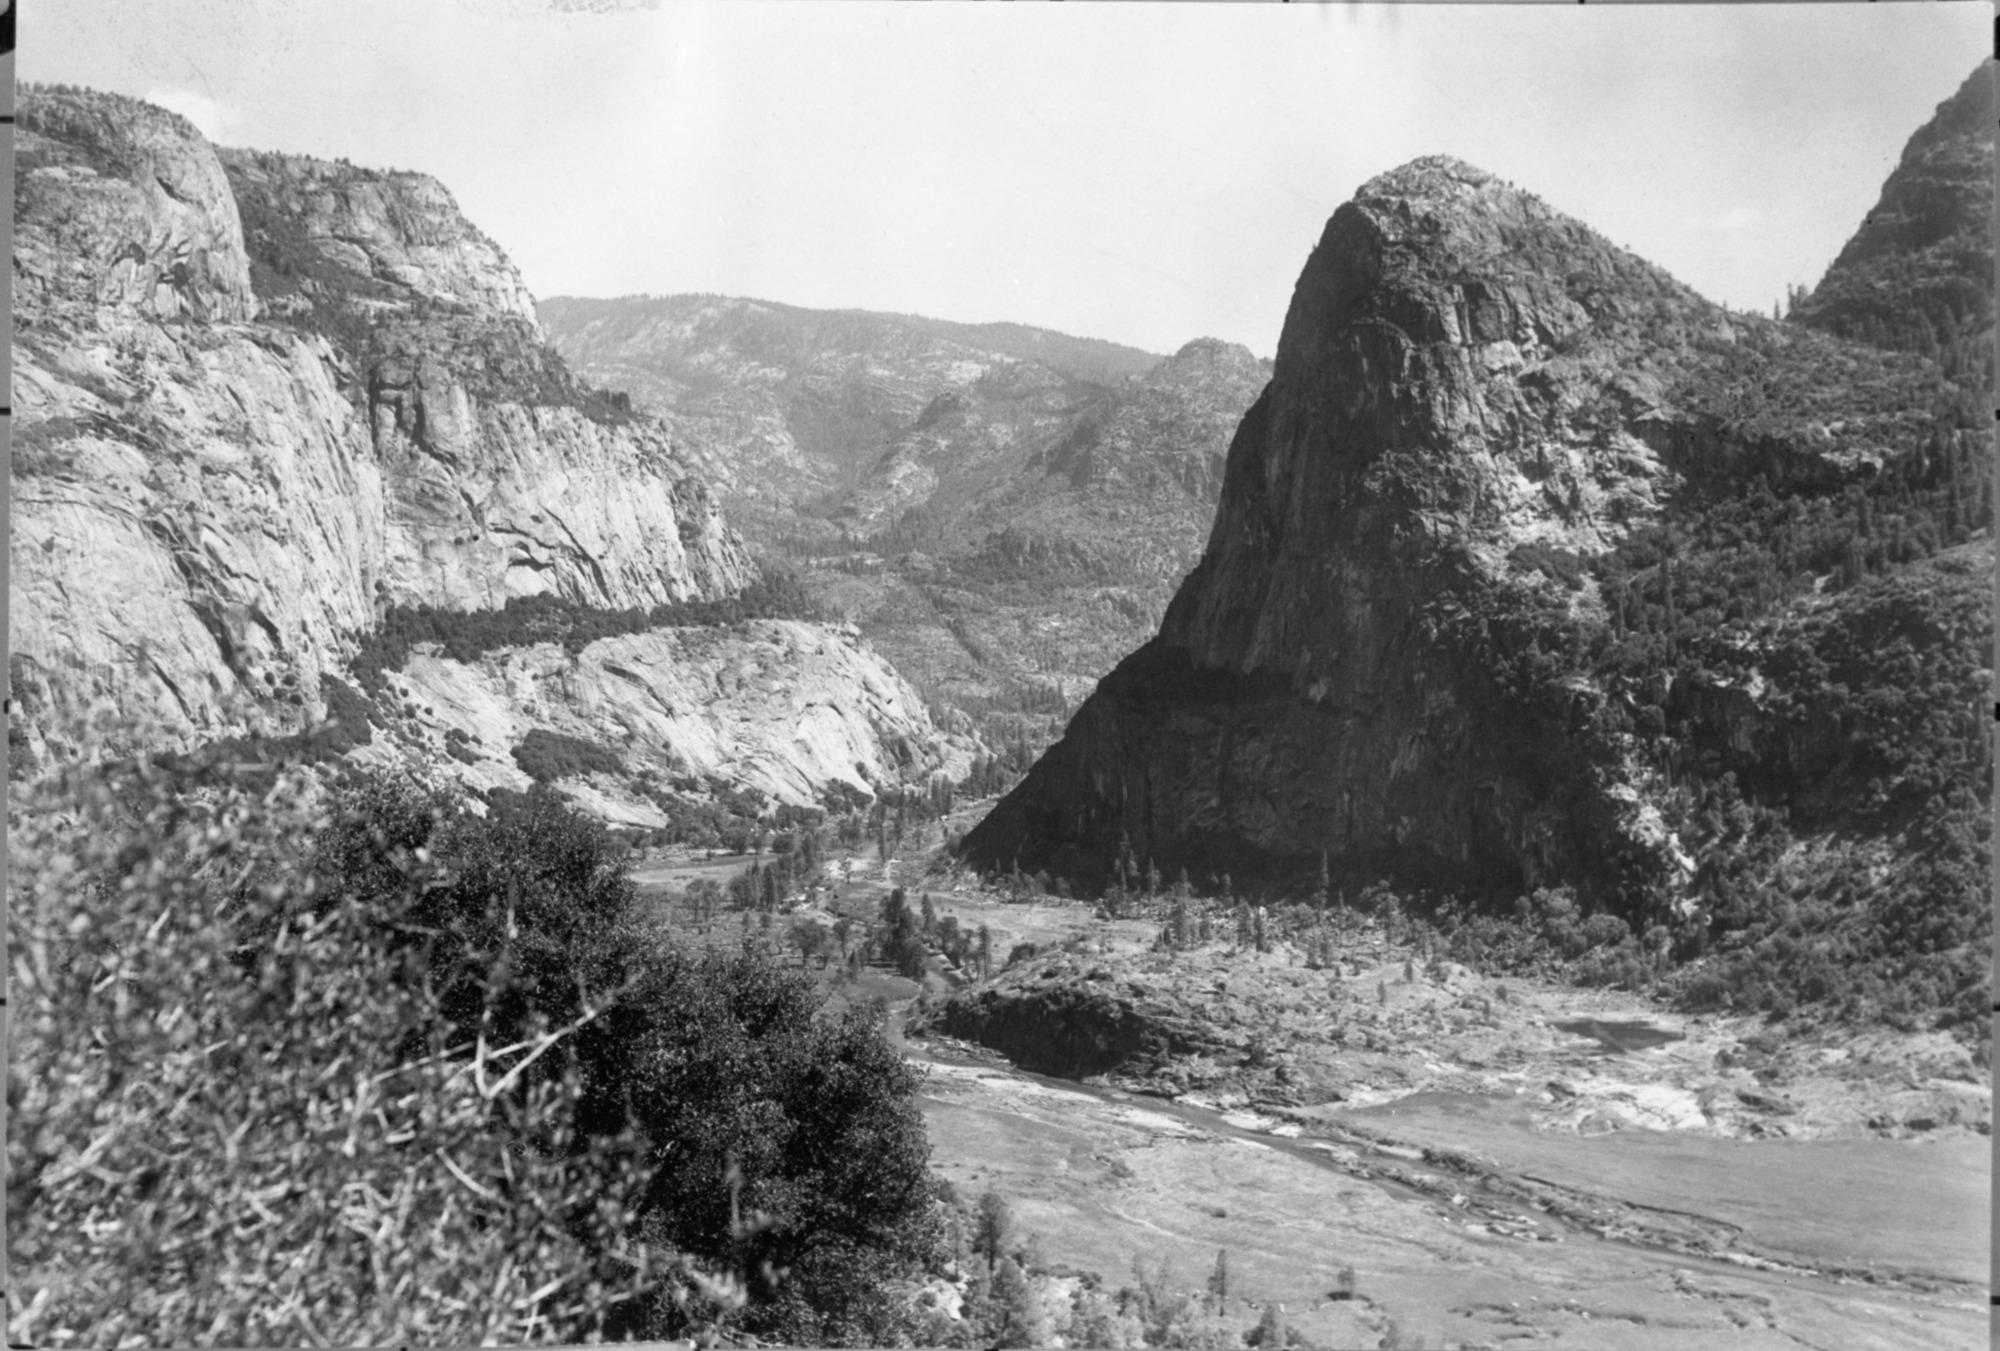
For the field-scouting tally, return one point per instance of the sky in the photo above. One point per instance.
(1146, 173)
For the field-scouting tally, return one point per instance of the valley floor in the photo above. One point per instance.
(1483, 1261)
(1540, 1164)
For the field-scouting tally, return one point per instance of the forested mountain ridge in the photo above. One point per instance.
(788, 402)
(1536, 573)
(1002, 510)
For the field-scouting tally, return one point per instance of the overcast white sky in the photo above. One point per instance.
(1146, 173)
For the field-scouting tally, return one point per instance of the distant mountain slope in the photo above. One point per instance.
(793, 401)
(1003, 509)
(1918, 274)
(1534, 570)
(266, 403)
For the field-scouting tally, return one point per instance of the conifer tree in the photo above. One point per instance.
(1016, 1312)
(1218, 1280)
(1270, 1330)
(992, 1229)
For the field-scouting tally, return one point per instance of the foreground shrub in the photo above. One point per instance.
(784, 1142)
(234, 1118)
(786, 1188)
(345, 1067)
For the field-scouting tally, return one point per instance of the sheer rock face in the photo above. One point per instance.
(401, 232)
(222, 469)
(197, 511)
(133, 215)
(1468, 385)
(506, 476)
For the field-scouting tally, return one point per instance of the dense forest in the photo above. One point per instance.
(466, 635)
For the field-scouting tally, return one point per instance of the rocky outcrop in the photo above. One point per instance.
(782, 707)
(1075, 1018)
(228, 457)
(1393, 654)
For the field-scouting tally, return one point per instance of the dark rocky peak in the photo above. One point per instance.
(1443, 251)
(1967, 113)
(1461, 367)
(1918, 273)
(1483, 422)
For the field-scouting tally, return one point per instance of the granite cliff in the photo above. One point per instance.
(506, 475)
(1530, 565)
(263, 401)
